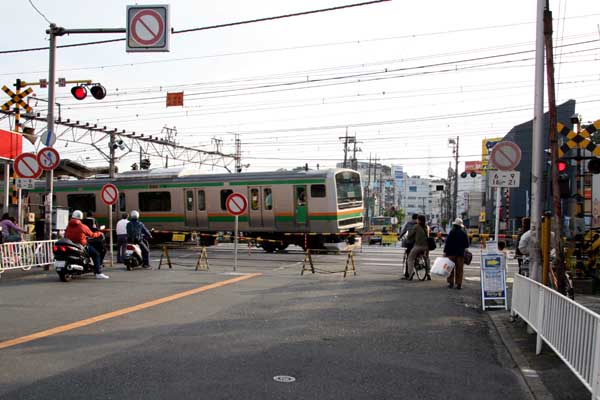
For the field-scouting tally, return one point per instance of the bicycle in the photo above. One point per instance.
(420, 269)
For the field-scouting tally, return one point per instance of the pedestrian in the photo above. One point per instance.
(456, 243)
(418, 234)
(79, 233)
(407, 244)
(11, 232)
(122, 237)
(138, 233)
(525, 226)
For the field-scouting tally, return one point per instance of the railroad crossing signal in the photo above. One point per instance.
(16, 99)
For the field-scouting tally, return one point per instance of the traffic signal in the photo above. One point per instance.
(594, 165)
(472, 174)
(564, 181)
(80, 91)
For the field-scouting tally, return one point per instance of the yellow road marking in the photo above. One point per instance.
(118, 313)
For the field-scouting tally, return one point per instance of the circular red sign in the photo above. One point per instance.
(109, 194)
(236, 204)
(506, 156)
(26, 166)
(48, 158)
(147, 27)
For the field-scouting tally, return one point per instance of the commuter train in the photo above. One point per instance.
(325, 205)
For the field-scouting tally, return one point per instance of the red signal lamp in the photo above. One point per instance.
(561, 166)
(79, 92)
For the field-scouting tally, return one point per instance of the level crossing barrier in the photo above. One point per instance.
(569, 329)
(308, 264)
(25, 255)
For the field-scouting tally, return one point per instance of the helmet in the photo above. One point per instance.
(77, 214)
(135, 214)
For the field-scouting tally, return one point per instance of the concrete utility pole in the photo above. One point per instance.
(454, 143)
(537, 146)
(345, 148)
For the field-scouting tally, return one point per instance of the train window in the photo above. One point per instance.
(224, 194)
(84, 202)
(254, 199)
(317, 190)
(268, 199)
(201, 200)
(154, 201)
(122, 203)
(189, 200)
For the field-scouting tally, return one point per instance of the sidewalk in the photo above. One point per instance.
(546, 374)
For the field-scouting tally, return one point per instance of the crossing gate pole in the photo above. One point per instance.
(202, 263)
(165, 253)
(307, 257)
(349, 260)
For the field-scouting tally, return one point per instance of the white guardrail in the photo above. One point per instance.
(569, 329)
(24, 255)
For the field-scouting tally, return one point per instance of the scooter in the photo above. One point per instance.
(71, 258)
(133, 256)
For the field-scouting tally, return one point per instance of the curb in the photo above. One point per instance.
(530, 378)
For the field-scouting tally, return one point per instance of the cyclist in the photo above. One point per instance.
(406, 243)
(11, 232)
(419, 234)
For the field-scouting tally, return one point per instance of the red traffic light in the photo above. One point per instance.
(561, 166)
(79, 92)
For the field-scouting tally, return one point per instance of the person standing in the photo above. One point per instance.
(456, 243)
(122, 237)
(79, 233)
(418, 234)
(138, 233)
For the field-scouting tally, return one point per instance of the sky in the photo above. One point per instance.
(402, 77)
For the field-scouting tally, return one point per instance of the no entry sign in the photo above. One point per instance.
(27, 166)
(506, 156)
(109, 194)
(236, 204)
(148, 28)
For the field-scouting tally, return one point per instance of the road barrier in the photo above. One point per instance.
(308, 265)
(24, 255)
(201, 264)
(569, 329)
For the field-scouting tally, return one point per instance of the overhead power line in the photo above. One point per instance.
(225, 25)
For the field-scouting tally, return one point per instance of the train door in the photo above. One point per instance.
(195, 208)
(301, 211)
(255, 209)
(261, 207)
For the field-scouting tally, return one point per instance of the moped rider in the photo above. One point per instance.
(79, 233)
(138, 233)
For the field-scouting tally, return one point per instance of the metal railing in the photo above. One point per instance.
(24, 255)
(569, 329)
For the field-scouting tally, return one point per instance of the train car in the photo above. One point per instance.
(312, 209)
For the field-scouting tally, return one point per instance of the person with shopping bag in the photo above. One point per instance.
(456, 243)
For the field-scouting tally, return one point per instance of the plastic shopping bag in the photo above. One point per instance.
(442, 267)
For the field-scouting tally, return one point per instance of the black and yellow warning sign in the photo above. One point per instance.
(16, 99)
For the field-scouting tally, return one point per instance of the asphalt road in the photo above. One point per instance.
(263, 332)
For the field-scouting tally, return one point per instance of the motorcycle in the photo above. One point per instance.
(71, 258)
(133, 256)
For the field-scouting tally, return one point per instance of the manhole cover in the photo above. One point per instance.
(284, 378)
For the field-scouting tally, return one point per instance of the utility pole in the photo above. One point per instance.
(354, 161)
(556, 244)
(454, 143)
(368, 194)
(238, 154)
(537, 146)
(345, 148)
